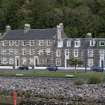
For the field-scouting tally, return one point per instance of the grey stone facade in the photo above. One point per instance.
(43, 47)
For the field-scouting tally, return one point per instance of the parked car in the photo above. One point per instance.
(97, 69)
(52, 68)
(23, 68)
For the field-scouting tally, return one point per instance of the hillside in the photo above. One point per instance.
(78, 16)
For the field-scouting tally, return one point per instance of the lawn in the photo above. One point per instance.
(45, 73)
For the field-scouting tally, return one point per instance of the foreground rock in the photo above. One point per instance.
(49, 91)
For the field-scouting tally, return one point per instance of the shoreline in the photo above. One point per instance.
(60, 91)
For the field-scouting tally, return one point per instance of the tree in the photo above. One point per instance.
(74, 62)
(78, 16)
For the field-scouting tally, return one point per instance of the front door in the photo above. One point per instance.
(36, 61)
(17, 61)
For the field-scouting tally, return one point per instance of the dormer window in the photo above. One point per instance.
(102, 43)
(77, 43)
(92, 42)
(68, 43)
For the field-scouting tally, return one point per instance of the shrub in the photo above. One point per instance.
(95, 79)
(78, 82)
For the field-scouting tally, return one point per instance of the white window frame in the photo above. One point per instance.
(58, 61)
(25, 42)
(41, 42)
(92, 42)
(77, 43)
(24, 61)
(4, 52)
(4, 60)
(10, 43)
(24, 51)
(10, 51)
(58, 53)
(16, 51)
(2, 43)
(102, 53)
(11, 61)
(90, 52)
(100, 43)
(41, 52)
(67, 52)
(76, 52)
(13, 42)
(48, 51)
(31, 43)
(90, 62)
(30, 52)
(31, 61)
(68, 43)
(48, 42)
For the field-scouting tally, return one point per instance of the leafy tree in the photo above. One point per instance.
(74, 62)
(78, 16)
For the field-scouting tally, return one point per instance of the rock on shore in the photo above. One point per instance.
(56, 91)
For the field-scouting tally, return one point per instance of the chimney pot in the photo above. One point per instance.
(89, 35)
(27, 27)
(8, 28)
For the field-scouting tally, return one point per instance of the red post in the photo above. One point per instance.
(14, 98)
(0, 100)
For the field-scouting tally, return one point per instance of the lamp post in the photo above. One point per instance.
(102, 65)
(85, 60)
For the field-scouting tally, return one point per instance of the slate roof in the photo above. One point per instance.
(84, 42)
(31, 34)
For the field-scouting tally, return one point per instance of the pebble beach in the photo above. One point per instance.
(57, 89)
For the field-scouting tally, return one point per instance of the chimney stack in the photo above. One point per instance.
(8, 28)
(61, 25)
(89, 35)
(59, 31)
(27, 28)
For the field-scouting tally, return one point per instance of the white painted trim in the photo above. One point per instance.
(36, 57)
(17, 57)
(6, 67)
(38, 68)
(73, 68)
(77, 43)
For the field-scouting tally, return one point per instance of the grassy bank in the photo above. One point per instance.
(57, 74)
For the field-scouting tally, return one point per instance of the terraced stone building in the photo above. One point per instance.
(43, 47)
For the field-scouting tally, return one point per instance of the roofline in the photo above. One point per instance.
(82, 38)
